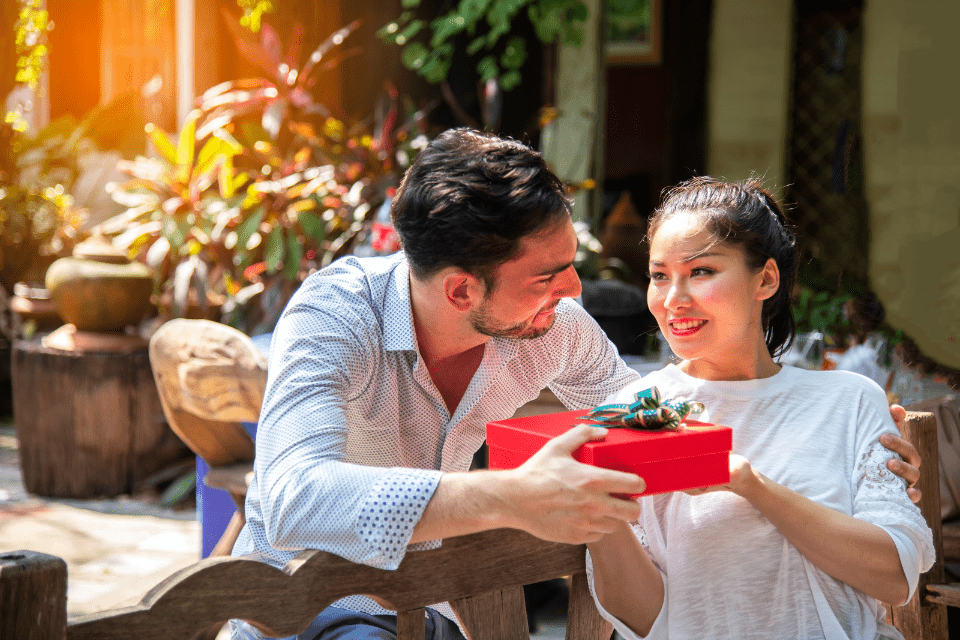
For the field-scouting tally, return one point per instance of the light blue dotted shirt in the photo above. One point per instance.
(354, 436)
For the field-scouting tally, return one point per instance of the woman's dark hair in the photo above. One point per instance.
(469, 198)
(746, 215)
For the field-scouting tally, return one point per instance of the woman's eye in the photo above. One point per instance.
(655, 275)
(702, 271)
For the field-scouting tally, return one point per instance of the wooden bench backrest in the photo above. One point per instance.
(482, 576)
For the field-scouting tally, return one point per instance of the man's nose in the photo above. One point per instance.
(569, 284)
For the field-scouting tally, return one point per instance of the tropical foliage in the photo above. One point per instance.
(261, 186)
(489, 29)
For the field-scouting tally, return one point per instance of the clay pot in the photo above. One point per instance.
(99, 288)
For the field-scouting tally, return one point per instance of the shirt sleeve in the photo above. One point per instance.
(880, 496)
(592, 368)
(310, 498)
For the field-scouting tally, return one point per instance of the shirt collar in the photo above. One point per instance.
(397, 312)
(398, 334)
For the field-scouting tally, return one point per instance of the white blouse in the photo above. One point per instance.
(727, 571)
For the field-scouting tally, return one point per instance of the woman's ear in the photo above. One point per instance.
(462, 290)
(769, 280)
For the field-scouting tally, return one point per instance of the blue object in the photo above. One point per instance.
(215, 507)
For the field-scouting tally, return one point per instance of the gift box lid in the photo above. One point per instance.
(528, 434)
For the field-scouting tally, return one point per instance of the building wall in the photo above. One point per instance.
(748, 88)
(911, 125)
(912, 157)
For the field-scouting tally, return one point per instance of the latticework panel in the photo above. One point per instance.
(825, 167)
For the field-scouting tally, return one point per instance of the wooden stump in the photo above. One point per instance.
(89, 422)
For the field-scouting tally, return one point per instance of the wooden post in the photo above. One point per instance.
(33, 596)
(922, 619)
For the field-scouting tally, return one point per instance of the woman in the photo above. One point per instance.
(813, 531)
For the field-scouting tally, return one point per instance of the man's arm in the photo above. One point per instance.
(909, 467)
(551, 496)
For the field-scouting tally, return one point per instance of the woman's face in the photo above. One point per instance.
(707, 300)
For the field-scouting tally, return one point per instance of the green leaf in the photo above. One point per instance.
(473, 10)
(488, 68)
(291, 266)
(573, 35)
(248, 227)
(176, 232)
(446, 27)
(179, 490)
(476, 45)
(510, 80)
(312, 225)
(412, 30)
(577, 12)
(502, 12)
(435, 71)
(273, 254)
(514, 54)
(414, 55)
(388, 33)
(409, 4)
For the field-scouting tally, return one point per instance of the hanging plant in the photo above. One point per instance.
(488, 24)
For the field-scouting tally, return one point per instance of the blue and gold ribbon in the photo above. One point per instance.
(648, 412)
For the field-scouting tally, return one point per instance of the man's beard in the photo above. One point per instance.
(482, 324)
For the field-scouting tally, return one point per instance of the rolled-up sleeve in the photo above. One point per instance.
(309, 496)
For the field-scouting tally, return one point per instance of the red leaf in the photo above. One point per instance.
(270, 42)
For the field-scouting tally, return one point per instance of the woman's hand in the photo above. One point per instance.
(742, 478)
(909, 467)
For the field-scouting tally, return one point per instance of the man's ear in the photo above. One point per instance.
(769, 280)
(462, 290)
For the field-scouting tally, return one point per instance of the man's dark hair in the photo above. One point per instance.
(469, 198)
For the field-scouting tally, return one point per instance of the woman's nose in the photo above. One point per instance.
(677, 296)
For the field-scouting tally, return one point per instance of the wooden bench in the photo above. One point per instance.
(482, 575)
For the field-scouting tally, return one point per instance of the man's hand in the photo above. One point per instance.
(909, 467)
(557, 498)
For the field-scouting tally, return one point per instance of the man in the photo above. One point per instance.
(384, 372)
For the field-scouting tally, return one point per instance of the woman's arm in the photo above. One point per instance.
(858, 553)
(627, 583)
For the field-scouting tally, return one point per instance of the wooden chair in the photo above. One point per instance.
(211, 378)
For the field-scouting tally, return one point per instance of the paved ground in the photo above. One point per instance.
(115, 550)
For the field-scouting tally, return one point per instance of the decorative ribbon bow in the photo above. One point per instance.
(648, 412)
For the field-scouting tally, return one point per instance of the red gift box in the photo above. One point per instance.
(695, 456)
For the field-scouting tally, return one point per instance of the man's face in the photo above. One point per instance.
(529, 287)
